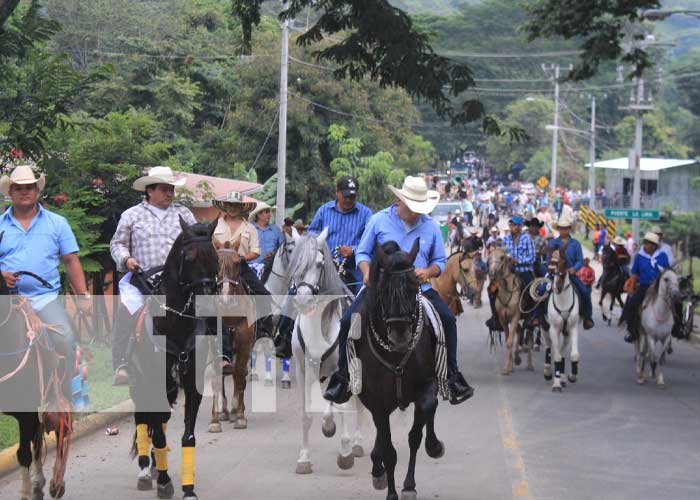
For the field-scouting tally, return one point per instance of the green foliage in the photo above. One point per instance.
(660, 137)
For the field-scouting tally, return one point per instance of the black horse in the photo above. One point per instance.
(28, 364)
(397, 352)
(173, 350)
(612, 282)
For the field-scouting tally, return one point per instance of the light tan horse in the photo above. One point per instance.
(507, 305)
(458, 270)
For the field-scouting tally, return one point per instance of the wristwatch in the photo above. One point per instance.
(85, 296)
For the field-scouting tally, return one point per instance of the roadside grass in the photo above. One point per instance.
(101, 392)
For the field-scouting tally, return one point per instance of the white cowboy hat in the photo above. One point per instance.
(474, 230)
(657, 230)
(494, 228)
(652, 238)
(158, 175)
(259, 208)
(619, 240)
(232, 200)
(565, 220)
(22, 174)
(416, 195)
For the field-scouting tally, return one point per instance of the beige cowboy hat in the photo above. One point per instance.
(494, 229)
(652, 238)
(416, 195)
(235, 202)
(619, 240)
(474, 230)
(565, 220)
(158, 175)
(22, 174)
(261, 205)
(657, 230)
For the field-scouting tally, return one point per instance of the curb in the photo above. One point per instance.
(84, 427)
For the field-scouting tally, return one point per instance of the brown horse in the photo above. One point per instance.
(458, 270)
(242, 329)
(508, 306)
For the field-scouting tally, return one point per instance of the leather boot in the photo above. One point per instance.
(338, 390)
(460, 390)
(283, 349)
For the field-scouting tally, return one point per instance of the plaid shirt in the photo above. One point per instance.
(142, 235)
(523, 252)
(540, 243)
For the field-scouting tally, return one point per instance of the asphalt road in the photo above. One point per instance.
(604, 437)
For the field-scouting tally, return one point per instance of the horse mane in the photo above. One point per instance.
(396, 293)
(304, 257)
(170, 282)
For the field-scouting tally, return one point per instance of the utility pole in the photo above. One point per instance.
(556, 69)
(591, 172)
(639, 105)
(282, 144)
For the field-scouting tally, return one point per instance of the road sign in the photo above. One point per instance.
(542, 182)
(630, 213)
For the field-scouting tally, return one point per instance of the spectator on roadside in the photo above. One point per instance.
(586, 274)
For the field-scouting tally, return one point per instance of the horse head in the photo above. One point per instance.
(192, 265)
(395, 286)
(308, 264)
(229, 274)
(669, 286)
(557, 265)
(498, 263)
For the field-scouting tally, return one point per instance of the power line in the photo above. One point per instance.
(529, 55)
(269, 133)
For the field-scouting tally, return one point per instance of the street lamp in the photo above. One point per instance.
(660, 15)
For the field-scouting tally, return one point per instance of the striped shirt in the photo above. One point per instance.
(143, 235)
(523, 251)
(344, 228)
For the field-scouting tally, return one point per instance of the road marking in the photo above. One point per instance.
(514, 459)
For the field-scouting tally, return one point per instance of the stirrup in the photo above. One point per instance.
(121, 375)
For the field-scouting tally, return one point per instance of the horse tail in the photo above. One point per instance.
(40, 444)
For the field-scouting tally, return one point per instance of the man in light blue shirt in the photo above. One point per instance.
(36, 240)
(269, 235)
(403, 223)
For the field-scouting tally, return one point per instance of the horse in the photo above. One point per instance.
(656, 324)
(563, 317)
(315, 343)
(173, 350)
(458, 271)
(242, 330)
(30, 377)
(613, 282)
(396, 351)
(508, 307)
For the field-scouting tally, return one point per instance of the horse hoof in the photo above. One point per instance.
(573, 379)
(37, 494)
(145, 481)
(505, 372)
(438, 451)
(57, 491)
(224, 416)
(346, 463)
(214, 428)
(563, 382)
(254, 377)
(286, 384)
(640, 381)
(330, 431)
(240, 423)
(409, 495)
(548, 376)
(669, 350)
(166, 490)
(190, 497)
(517, 360)
(303, 468)
(358, 451)
(531, 368)
(556, 389)
(380, 483)
(268, 382)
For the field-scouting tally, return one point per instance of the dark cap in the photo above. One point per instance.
(288, 221)
(347, 185)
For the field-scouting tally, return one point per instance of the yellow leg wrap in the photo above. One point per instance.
(187, 466)
(161, 455)
(143, 442)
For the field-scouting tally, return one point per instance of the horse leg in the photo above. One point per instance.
(142, 445)
(556, 353)
(602, 307)
(511, 332)
(244, 339)
(28, 426)
(346, 459)
(217, 383)
(379, 481)
(573, 376)
(159, 424)
(665, 346)
(388, 452)
(304, 460)
(38, 479)
(192, 401)
(641, 351)
(357, 438)
(415, 436)
(530, 348)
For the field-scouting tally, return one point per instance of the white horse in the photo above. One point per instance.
(563, 317)
(655, 325)
(315, 347)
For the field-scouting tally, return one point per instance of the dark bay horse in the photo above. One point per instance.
(173, 350)
(396, 350)
(29, 378)
(612, 282)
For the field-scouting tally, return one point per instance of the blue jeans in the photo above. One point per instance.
(449, 325)
(63, 338)
(585, 294)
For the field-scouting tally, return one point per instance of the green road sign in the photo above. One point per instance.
(631, 213)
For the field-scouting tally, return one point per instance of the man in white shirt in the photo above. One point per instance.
(664, 247)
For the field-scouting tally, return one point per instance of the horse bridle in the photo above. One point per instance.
(226, 279)
(315, 289)
(204, 283)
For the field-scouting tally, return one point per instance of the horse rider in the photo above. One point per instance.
(473, 243)
(142, 241)
(648, 263)
(270, 237)
(232, 226)
(664, 246)
(403, 222)
(574, 260)
(534, 226)
(494, 240)
(345, 218)
(33, 239)
(622, 259)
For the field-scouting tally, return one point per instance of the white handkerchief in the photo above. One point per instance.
(130, 296)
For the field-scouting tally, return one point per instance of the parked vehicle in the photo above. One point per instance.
(441, 210)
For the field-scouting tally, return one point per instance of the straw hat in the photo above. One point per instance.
(474, 230)
(657, 230)
(261, 206)
(619, 240)
(22, 174)
(234, 202)
(652, 238)
(565, 220)
(416, 195)
(158, 175)
(494, 229)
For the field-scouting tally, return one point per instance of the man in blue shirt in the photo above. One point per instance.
(402, 223)
(35, 240)
(269, 235)
(574, 261)
(648, 264)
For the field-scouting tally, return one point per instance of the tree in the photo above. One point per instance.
(660, 137)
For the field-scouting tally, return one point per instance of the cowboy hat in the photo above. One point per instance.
(534, 222)
(416, 195)
(494, 228)
(652, 238)
(158, 175)
(474, 230)
(22, 174)
(619, 240)
(565, 220)
(260, 207)
(656, 230)
(234, 200)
